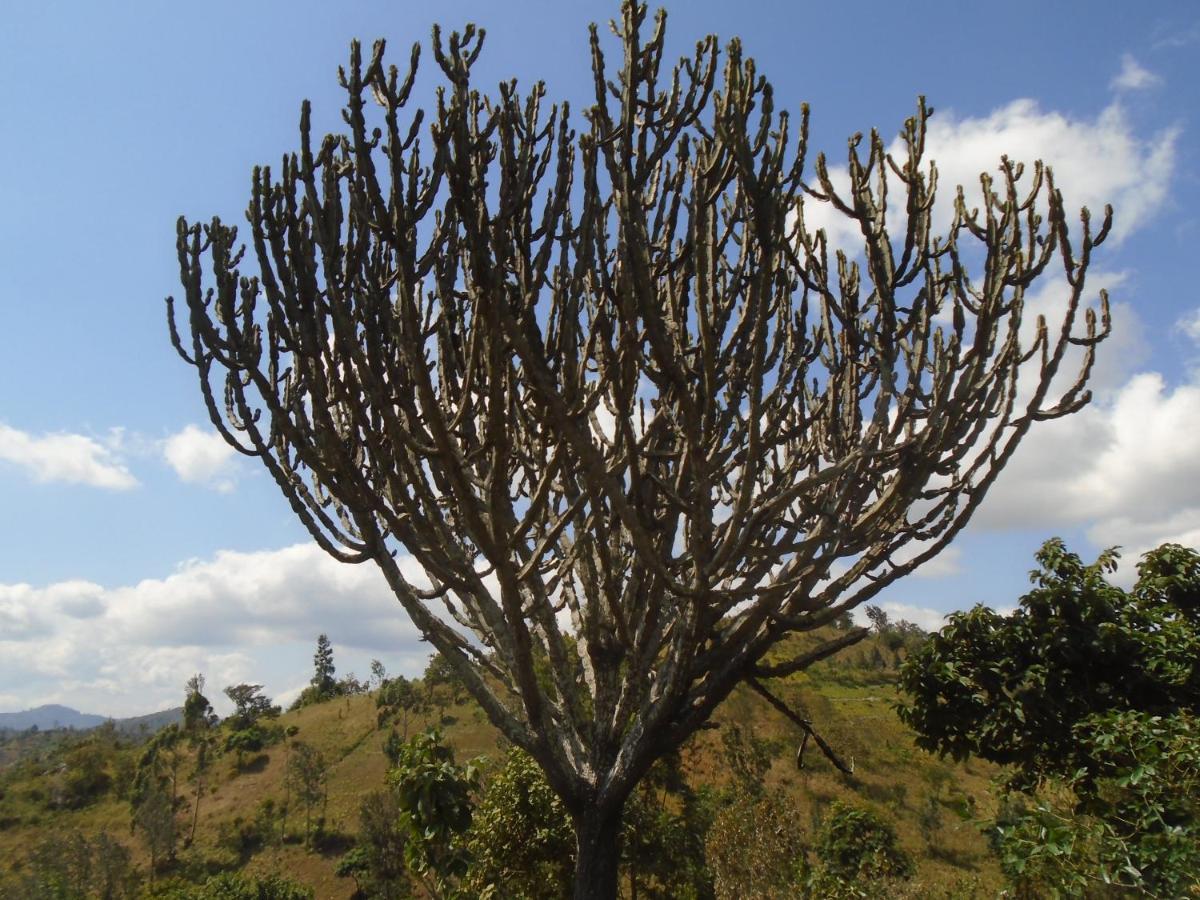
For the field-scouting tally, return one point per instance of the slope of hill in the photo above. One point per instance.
(50, 716)
(242, 825)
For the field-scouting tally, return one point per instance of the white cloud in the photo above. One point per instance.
(127, 650)
(945, 565)
(1173, 36)
(200, 457)
(1133, 76)
(1190, 325)
(1126, 468)
(1095, 161)
(65, 457)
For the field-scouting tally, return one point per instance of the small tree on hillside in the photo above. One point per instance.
(307, 776)
(399, 696)
(250, 705)
(323, 682)
(199, 729)
(245, 734)
(615, 391)
(378, 673)
(154, 817)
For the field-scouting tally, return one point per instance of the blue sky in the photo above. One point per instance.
(134, 551)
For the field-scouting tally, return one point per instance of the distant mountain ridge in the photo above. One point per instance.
(53, 715)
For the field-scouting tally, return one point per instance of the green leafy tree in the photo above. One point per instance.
(199, 729)
(756, 848)
(323, 681)
(246, 734)
(399, 696)
(612, 389)
(244, 743)
(154, 797)
(86, 777)
(250, 705)
(237, 886)
(308, 776)
(1087, 688)
(435, 798)
(289, 741)
(378, 673)
(1139, 829)
(521, 838)
(377, 861)
(854, 843)
(70, 866)
(521, 843)
(154, 817)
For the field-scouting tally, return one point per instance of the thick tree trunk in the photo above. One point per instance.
(597, 854)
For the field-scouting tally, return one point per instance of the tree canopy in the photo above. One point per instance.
(1014, 689)
(612, 391)
(1094, 690)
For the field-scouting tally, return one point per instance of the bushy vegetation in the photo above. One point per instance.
(448, 811)
(206, 821)
(1089, 695)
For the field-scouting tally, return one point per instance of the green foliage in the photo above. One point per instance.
(521, 842)
(434, 795)
(72, 867)
(377, 861)
(199, 727)
(521, 835)
(1133, 822)
(323, 685)
(747, 757)
(756, 848)
(399, 697)
(154, 819)
(378, 673)
(1091, 693)
(1012, 689)
(307, 777)
(198, 715)
(323, 669)
(234, 886)
(662, 835)
(242, 837)
(245, 741)
(86, 777)
(250, 706)
(442, 684)
(855, 843)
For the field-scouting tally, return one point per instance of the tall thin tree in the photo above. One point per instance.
(612, 391)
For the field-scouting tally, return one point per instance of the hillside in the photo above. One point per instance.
(52, 717)
(934, 804)
(49, 716)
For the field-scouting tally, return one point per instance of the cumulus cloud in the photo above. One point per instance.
(945, 565)
(1095, 161)
(1126, 468)
(200, 457)
(1190, 325)
(128, 649)
(1133, 76)
(64, 457)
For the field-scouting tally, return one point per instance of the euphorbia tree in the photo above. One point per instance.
(608, 389)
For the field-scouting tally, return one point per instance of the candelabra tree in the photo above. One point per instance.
(609, 413)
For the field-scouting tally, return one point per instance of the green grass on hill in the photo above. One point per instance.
(936, 805)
